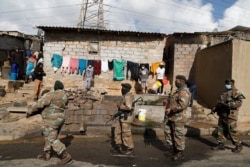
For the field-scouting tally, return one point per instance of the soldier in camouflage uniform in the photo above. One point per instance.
(53, 105)
(123, 137)
(227, 109)
(176, 117)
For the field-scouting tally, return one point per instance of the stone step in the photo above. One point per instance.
(26, 88)
(17, 109)
(25, 91)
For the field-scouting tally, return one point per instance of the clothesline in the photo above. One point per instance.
(70, 65)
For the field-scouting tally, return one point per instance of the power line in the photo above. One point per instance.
(34, 9)
(169, 20)
(125, 11)
(196, 9)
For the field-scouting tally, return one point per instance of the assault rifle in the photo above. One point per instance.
(169, 99)
(220, 108)
(170, 96)
(120, 112)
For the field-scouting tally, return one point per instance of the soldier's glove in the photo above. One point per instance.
(213, 110)
(125, 115)
(231, 105)
(28, 115)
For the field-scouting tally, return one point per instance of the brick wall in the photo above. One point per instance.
(184, 56)
(138, 50)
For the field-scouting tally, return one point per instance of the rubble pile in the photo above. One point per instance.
(87, 108)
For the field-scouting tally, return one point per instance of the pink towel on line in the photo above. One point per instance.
(65, 64)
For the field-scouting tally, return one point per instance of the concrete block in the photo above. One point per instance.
(17, 109)
(26, 91)
(87, 112)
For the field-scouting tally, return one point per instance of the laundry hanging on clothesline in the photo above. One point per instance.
(82, 65)
(65, 65)
(74, 66)
(122, 69)
(56, 61)
(119, 66)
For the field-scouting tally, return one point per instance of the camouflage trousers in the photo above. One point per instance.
(175, 134)
(123, 134)
(228, 127)
(167, 133)
(52, 141)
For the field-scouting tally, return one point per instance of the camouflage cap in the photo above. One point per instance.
(126, 85)
(58, 85)
(181, 77)
(228, 81)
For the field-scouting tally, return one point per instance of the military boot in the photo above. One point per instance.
(128, 151)
(117, 149)
(220, 146)
(170, 148)
(178, 156)
(45, 156)
(65, 158)
(237, 149)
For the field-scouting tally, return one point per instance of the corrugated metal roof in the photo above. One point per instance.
(239, 28)
(18, 35)
(97, 30)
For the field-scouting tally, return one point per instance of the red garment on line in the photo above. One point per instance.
(97, 67)
(73, 65)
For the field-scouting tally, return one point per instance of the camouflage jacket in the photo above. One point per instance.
(127, 107)
(178, 104)
(229, 103)
(52, 105)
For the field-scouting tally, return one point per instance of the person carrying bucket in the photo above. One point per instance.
(160, 74)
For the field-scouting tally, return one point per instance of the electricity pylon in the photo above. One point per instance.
(91, 14)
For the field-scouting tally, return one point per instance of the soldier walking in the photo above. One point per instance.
(227, 109)
(176, 118)
(123, 137)
(53, 105)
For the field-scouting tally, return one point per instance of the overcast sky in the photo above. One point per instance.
(164, 16)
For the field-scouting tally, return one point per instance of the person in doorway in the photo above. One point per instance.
(123, 137)
(144, 73)
(16, 61)
(38, 78)
(175, 112)
(52, 105)
(88, 76)
(160, 74)
(227, 109)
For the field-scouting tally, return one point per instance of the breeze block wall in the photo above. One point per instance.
(135, 47)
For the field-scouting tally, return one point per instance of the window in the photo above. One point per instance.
(93, 47)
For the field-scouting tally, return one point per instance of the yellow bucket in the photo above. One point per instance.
(142, 115)
(156, 85)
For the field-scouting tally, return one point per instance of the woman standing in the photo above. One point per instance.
(38, 76)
